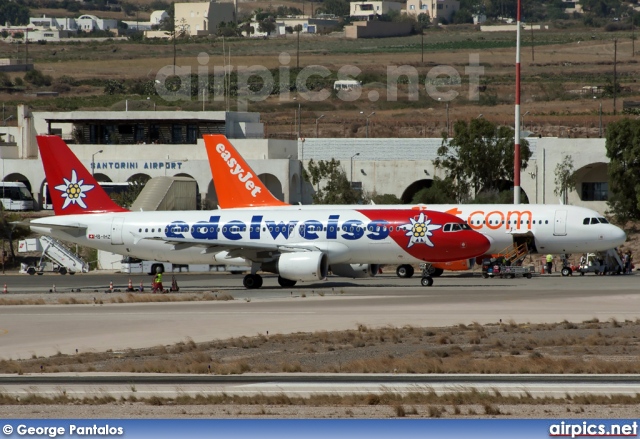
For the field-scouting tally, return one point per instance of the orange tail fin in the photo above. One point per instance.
(72, 187)
(240, 186)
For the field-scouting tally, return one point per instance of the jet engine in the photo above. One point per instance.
(303, 266)
(355, 271)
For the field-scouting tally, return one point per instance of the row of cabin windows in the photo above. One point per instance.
(514, 222)
(447, 228)
(595, 221)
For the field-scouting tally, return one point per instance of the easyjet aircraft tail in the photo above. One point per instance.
(240, 187)
(72, 187)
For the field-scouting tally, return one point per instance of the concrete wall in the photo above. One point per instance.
(511, 27)
(377, 29)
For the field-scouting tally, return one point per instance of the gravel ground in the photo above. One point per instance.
(583, 347)
(137, 410)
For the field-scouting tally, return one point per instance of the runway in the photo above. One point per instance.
(44, 330)
(145, 385)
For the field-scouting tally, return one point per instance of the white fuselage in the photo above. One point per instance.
(207, 237)
(555, 228)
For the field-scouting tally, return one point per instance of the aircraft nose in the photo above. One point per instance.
(616, 236)
(478, 244)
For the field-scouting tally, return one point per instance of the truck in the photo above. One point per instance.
(134, 265)
(62, 259)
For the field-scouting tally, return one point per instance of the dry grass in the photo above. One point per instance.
(83, 299)
(566, 347)
(432, 405)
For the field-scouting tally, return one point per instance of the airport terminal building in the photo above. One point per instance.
(121, 146)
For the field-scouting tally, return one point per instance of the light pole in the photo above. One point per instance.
(372, 113)
(321, 116)
(447, 112)
(93, 162)
(299, 120)
(448, 132)
(351, 176)
(600, 126)
(522, 121)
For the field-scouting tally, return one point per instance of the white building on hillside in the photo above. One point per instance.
(203, 18)
(157, 17)
(368, 10)
(88, 23)
(69, 24)
(437, 10)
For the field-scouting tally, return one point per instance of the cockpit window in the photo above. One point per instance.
(594, 221)
(455, 227)
(585, 221)
(603, 220)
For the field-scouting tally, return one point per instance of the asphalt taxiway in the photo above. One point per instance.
(336, 304)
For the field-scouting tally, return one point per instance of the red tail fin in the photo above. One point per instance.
(72, 187)
(240, 186)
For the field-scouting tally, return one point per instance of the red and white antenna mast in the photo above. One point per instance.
(516, 154)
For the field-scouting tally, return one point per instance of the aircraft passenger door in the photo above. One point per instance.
(116, 231)
(560, 223)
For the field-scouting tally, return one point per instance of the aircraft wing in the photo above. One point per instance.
(248, 250)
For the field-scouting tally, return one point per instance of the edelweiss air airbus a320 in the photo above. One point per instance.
(299, 244)
(545, 228)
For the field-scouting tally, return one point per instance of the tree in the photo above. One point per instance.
(126, 198)
(114, 87)
(623, 150)
(13, 12)
(339, 8)
(10, 232)
(479, 157)
(384, 199)
(565, 178)
(331, 183)
(440, 192)
(267, 25)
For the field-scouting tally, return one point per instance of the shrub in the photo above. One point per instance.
(36, 78)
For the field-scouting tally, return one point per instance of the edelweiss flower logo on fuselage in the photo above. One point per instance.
(419, 230)
(74, 191)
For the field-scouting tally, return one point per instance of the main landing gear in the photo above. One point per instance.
(252, 281)
(404, 271)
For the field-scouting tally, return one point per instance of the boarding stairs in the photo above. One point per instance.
(613, 261)
(64, 260)
(515, 254)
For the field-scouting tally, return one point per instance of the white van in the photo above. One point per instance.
(347, 84)
(15, 196)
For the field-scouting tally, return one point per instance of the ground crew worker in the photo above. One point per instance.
(549, 263)
(157, 282)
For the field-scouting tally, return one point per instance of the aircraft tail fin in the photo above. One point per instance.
(240, 186)
(72, 188)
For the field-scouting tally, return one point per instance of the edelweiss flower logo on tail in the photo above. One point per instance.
(74, 191)
(420, 230)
